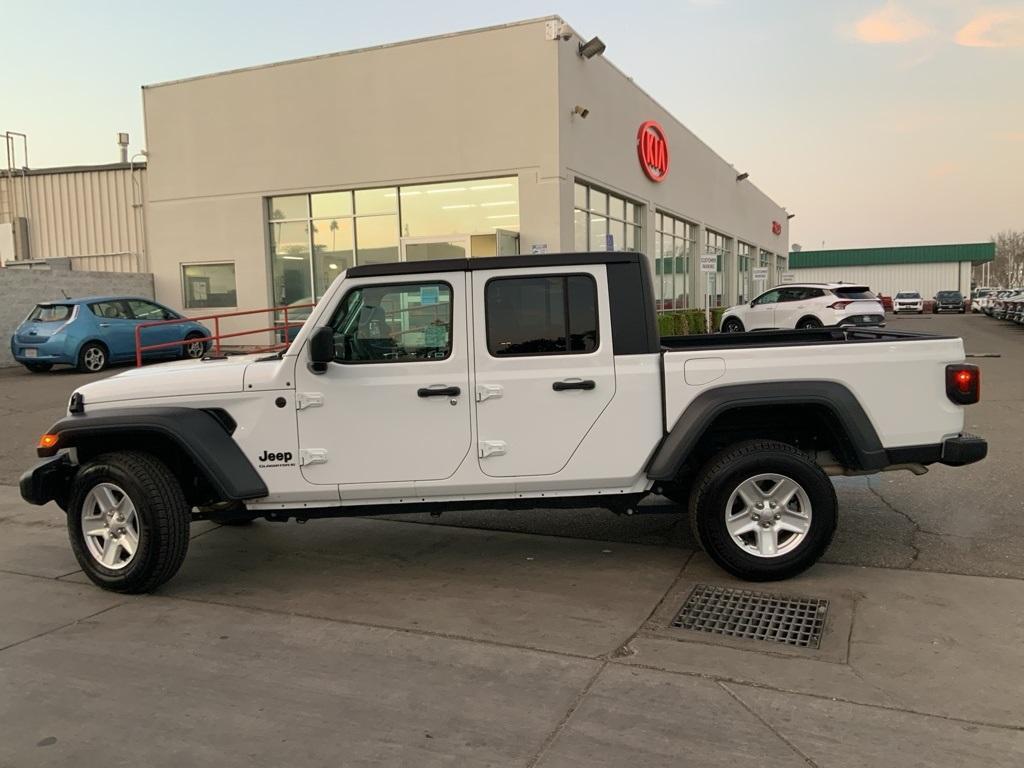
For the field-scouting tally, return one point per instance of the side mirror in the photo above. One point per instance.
(321, 349)
(752, 301)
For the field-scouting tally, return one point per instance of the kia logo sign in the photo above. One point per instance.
(652, 149)
(776, 228)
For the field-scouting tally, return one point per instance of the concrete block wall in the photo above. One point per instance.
(22, 289)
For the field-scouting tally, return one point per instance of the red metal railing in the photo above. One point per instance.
(216, 337)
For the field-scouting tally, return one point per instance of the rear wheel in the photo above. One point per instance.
(732, 325)
(39, 367)
(128, 522)
(92, 357)
(762, 510)
(810, 322)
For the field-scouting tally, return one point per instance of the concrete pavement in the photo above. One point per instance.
(530, 639)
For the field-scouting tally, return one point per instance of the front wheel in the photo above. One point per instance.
(732, 325)
(128, 521)
(763, 511)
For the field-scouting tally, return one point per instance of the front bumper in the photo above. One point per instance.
(908, 308)
(949, 307)
(48, 480)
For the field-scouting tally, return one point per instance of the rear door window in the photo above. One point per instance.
(50, 313)
(855, 293)
(111, 310)
(146, 310)
(554, 315)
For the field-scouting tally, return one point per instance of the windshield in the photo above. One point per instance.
(50, 313)
(953, 295)
(908, 295)
(855, 292)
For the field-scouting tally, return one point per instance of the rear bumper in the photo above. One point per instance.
(47, 481)
(953, 451)
(869, 321)
(51, 351)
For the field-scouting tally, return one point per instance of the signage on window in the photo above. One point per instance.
(652, 149)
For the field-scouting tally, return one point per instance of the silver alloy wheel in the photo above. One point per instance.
(94, 359)
(195, 350)
(768, 515)
(110, 526)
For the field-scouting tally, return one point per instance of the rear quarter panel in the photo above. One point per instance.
(900, 384)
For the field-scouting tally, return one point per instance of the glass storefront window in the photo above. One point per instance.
(332, 204)
(290, 262)
(208, 285)
(744, 257)
(289, 207)
(460, 208)
(333, 250)
(721, 246)
(677, 247)
(376, 238)
(371, 201)
(597, 213)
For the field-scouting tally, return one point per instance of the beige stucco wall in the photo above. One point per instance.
(473, 105)
(700, 186)
(465, 106)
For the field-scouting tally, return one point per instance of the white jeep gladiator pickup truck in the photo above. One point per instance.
(524, 381)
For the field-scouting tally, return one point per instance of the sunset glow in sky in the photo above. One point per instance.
(876, 123)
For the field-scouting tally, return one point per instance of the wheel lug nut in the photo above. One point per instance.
(778, 516)
(755, 517)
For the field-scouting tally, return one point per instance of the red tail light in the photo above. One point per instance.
(963, 383)
(839, 304)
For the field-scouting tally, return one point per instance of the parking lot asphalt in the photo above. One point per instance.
(526, 639)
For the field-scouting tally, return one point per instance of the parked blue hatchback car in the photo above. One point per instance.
(91, 333)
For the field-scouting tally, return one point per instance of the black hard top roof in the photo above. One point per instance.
(496, 262)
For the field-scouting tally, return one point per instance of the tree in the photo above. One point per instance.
(1007, 269)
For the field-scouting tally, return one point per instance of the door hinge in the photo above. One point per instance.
(487, 391)
(308, 400)
(312, 456)
(492, 448)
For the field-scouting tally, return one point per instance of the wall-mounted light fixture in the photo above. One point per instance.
(743, 177)
(593, 47)
(581, 111)
(790, 215)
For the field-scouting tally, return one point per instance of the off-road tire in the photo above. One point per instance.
(724, 472)
(164, 518)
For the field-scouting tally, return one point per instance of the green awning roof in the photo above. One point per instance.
(976, 253)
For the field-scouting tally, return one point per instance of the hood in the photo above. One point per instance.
(177, 379)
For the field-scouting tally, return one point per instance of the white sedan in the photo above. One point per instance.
(806, 305)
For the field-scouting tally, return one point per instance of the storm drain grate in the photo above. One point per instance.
(797, 621)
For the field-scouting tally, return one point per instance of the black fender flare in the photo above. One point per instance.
(199, 434)
(840, 402)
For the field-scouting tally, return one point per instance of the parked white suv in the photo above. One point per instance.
(806, 305)
(908, 301)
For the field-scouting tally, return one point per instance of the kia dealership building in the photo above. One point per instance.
(265, 183)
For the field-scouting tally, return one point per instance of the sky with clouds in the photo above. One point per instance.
(874, 122)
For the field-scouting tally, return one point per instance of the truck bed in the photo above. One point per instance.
(898, 378)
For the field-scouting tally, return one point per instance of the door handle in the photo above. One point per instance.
(104, 325)
(438, 391)
(561, 386)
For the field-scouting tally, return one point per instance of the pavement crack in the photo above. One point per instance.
(62, 626)
(915, 526)
(564, 721)
(796, 750)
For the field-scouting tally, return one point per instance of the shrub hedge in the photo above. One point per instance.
(688, 321)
